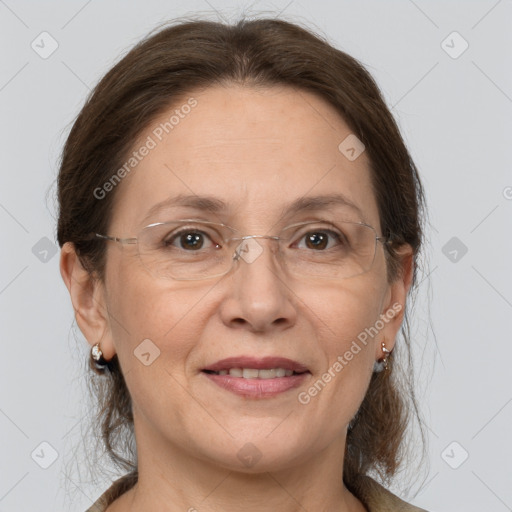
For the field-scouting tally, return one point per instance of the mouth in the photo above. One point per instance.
(254, 373)
(257, 377)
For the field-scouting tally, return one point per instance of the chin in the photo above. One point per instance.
(259, 455)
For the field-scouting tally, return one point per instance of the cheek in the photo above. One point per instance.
(345, 311)
(143, 308)
(155, 328)
(343, 321)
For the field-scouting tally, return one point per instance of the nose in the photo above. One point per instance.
(258, 296)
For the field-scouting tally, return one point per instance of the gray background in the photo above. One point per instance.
(455, 114)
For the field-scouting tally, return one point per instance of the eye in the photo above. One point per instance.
(320, 239)
(189, 239)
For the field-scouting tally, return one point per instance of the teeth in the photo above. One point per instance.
(248, 373)
(253, 373)
(267, 374)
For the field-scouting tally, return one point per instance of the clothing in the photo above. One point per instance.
(371, 494)
(378, 499)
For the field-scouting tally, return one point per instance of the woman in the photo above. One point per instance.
(239, 223)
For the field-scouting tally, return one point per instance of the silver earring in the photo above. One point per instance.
(97, 356)
(382, 364)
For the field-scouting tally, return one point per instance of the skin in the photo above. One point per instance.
(257, 150)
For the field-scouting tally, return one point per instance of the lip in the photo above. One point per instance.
(258, 363)
(257, 388)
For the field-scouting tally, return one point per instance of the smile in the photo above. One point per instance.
(254, 373)
(257, 377)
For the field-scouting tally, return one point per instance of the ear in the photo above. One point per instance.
(393, 309)
(87, 294)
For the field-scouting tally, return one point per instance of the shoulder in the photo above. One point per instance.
(118, 488)
(378, 499)
(99, 506)
(373, 496)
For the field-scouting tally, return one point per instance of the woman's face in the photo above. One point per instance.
(257, 151)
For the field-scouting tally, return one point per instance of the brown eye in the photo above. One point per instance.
(316, 240)
(320, 240)
(187, 240)
(192, 241)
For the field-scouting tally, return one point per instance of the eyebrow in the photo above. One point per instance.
(202, 203)
(214, 205)
(322, 202)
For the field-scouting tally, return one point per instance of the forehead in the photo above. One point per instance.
(255, 150)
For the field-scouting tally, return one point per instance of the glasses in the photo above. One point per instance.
(194, 249)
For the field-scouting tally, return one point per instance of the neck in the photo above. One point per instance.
(171, 479)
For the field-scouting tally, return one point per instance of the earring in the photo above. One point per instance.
(97, 356)
(382, 364)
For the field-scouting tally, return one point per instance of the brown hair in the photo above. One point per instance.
(194, 54)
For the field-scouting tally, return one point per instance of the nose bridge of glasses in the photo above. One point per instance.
(256, 236)
(248, 249)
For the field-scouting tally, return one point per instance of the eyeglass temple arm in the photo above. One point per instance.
(115, 238)
(387, 240)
